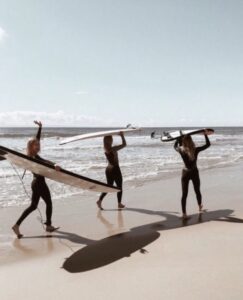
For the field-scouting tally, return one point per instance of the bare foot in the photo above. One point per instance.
(99, 205)
(15, 229)
(50, 228)
(121, 206)
(200, 208)
(185, 217)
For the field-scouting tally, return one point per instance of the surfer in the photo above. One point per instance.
(38, 186)
(113, 171)
(189, 153)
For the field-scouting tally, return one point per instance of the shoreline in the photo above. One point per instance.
(128, 186)
(144, 161)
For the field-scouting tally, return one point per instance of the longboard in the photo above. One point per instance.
(173, 135)
(47, 170)
(97, 134)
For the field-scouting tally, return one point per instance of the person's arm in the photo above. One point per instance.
(177, 145)
(38, 135)
(58, 168)
(2, 153)
(123, 145)
(207, 144)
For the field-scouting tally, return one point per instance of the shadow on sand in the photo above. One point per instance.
(113, 248)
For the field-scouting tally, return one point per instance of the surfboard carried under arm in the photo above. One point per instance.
(99, 134)
(47, 170)
(174, 135)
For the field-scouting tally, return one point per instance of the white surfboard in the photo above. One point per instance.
(48, 171)
(173, 135)
(98, 134)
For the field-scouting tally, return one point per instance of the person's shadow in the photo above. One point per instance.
(100, 253)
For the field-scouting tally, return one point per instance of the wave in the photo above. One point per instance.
(142, 161)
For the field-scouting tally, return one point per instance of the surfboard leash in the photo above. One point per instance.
(27, 194)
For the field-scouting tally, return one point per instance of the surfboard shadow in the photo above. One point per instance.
(111, 249)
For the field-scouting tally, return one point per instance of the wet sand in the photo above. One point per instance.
(145, 251)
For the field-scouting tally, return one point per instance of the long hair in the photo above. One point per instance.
(107, 142)
(188, 146)
(30, 144)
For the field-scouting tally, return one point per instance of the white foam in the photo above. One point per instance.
(143, 160)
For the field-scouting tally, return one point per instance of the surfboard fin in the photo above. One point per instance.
(167, 134)
(130, 126)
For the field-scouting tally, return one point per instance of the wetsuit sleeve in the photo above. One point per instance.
(1, 157)
(38, 135)
(207, 145)
(177, 146)
(123, 145)
(45, 160)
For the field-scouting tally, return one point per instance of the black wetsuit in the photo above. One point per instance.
(39, 190)
(113, 174)
(190, 172)
(2, 153)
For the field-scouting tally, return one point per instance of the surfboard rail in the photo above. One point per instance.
(47, 170)
(97, 134)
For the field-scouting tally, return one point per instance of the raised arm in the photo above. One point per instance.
(177, 145)
(123, 145)
(38, 135)
(207, 144)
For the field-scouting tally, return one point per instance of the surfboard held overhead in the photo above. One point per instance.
(174, 135)
(97, 134)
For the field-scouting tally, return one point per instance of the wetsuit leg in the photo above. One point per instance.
(34, 203)
(196, 184)
(110, 180)
(185, 178)
(118, 180)
(46, 196)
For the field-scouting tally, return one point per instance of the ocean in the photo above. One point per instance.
(142, 161)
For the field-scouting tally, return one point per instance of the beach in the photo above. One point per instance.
(145, 251)
(142, 98)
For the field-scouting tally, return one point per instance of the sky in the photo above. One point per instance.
(112, 62)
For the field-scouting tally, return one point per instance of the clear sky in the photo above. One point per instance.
(113, 62)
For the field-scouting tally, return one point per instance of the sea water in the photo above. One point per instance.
(143, 160)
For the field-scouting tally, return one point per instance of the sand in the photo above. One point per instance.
(143, 252)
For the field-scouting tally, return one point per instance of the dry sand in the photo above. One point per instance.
(143, 252)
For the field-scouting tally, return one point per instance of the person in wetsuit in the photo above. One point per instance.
(189, 153)
(38, 186)
(113, 171)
